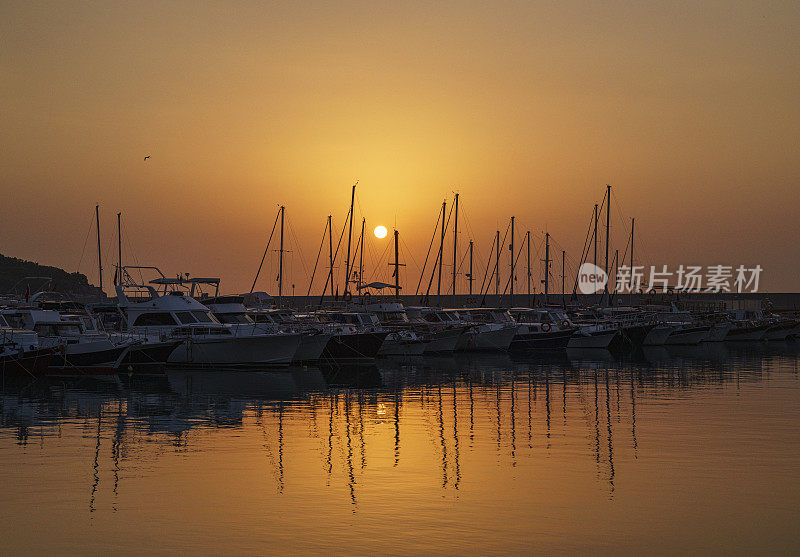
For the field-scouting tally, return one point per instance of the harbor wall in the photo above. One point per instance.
(778, 301)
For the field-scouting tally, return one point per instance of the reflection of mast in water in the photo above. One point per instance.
(267, 448)
(471, 412)
(396, 427)
(441, 438)
(95, 466)
(596, 426)
(455, 437)
(513, 424)
(361, 429)
(610, 442)
(564, 398)
(530, 428)
(352, 483)
(334, 402)
(633, 416)
(499, 419)
(547, 403)
(116, 449)
(280, 447)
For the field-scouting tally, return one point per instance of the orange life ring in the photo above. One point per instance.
(545, 330)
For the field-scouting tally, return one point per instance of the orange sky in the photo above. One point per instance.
(688, 109)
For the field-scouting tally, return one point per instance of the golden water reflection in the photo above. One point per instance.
(676, 449)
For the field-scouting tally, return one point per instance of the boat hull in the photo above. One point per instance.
(780, 331)
(658, 335)
(755, 332)
(311, 347)
(31, 362)
(600, 339)
(252, 350)
(358, 346)
(688, 336)
(86, 354)
(550, 340)
(718, 332)
(635, 335)
(402, 347)
(155, 353)
(486, 340)
(443, 341)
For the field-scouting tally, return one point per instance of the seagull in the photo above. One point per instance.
(147, 157)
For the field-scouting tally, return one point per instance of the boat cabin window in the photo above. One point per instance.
(185, 317)
(502, 317)
(15, 321)
(233, 318)
(432, 318)
(262, 318)
(57, 329)
(368, 319)
(154, 320)
(399, 316)
(203, 316)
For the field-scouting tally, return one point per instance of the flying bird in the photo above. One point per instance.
(147, 157)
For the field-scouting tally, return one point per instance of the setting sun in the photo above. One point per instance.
(380, 231)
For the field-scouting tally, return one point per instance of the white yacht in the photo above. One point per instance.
(490, 329)
(176, 315)
(541, 328)
(401, 340)
(230, 310)
(79, 345)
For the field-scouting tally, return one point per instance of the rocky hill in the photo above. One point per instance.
(13, 274)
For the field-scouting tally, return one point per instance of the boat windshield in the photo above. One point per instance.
(203, 316)
(395, 316)
(57, 329)
(234, 318)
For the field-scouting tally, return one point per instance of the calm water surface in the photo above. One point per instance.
(672, 450)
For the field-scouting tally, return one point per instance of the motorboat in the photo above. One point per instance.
(541, 328)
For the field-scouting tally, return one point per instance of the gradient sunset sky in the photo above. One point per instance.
(691, 110)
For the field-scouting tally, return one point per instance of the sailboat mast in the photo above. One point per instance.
(595, 234)
(396, 265)
(119, 245)
(349, 240)
(361, 254)
(99, 255)
(528, 243)
(563, 275)
(280, 262)
(441, 250)
(455, 248)
(470, 267)
(547, 268)
(632, 222)
(511, 249)
(330, 254)
(497, 266)
(608, 222)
